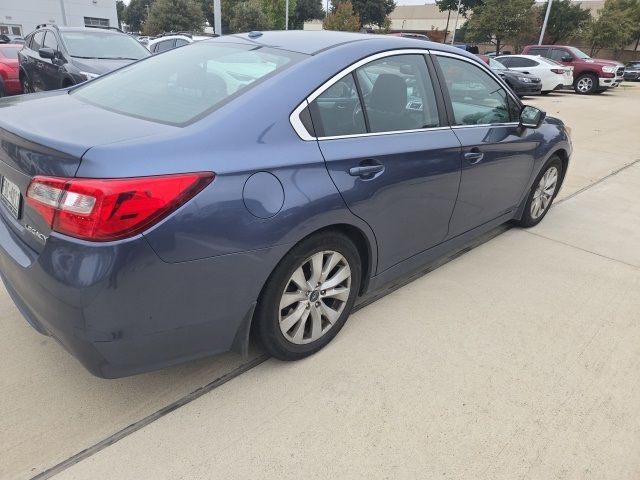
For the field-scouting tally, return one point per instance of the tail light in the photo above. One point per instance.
(558, 70)
(111, 209)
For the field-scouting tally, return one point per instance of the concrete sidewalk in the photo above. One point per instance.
(520, 330)
(518, 360)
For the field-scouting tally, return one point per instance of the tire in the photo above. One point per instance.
(545, 92)
(531, 215)
(288, 333)
(586, 84)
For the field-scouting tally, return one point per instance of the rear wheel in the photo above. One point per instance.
(586, 84)
(545, 92)
(544, 190)
(309, 296)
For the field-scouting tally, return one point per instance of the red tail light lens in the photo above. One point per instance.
(111, 209)
(558, 70)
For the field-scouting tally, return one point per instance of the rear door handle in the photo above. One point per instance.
(474, 157)
(366, 170)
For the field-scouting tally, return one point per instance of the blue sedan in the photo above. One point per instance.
(257, 183)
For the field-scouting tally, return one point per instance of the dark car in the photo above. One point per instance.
(521, 83)
(257, 183)
(632, 71)
(58, 57)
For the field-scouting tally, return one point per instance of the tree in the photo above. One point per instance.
(373, 12)
(120, 8)
(614, 28)
(174, 16)
(136, 13)
(342, 18)
(248, 16)
(567, 20)
(275, 12)
(452, 5)
(500, 21)
(306, 10)
(207, 9)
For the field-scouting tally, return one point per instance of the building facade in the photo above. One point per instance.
(19, 17)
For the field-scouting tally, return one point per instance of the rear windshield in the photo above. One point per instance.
(9, 52)
(182, 85)
(103, 45)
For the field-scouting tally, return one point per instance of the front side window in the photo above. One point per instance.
(182, 85)
(50, 41)
(38, 40)
(476, 98)
(558, 54)
(181, 42)
(164, 46)
(398, 94)
(102, 45)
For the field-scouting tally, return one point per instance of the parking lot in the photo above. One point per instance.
(518, 359)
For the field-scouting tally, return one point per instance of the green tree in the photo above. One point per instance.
(136, 13)
(500, 21)
(452, 5)
(373, 12)
(173, 16)
(275, 12)
(248, 16)
(207, 9)
(342, 18)
(567, 21)
(306, 10)
(614, 28)
(120, 8)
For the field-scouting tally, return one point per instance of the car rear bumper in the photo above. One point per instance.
(527, 89)
(120, 310)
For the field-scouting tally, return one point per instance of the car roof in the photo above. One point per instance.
(314, 42)
(169, 37)
(88, 29)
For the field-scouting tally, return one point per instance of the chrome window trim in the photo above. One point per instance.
(302, 132)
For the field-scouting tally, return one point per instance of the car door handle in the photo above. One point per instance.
(474, 157)
(366, 170)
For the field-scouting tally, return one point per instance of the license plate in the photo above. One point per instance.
(10, 196)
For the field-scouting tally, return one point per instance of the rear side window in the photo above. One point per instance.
(398, 94)
(38, 40)
(164, 46)
(180, 42)
(557, 54)
(476, 98)
(521, 62)
(338, 111)
(183, 85)
(538, 51)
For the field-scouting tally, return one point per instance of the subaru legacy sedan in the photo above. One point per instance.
(257, 183)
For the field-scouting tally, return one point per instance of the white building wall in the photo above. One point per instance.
(26, 14)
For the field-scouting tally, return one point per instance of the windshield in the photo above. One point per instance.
(9, 52)
(104, 45)
(184, 84)
(578, 53)
(496, 65)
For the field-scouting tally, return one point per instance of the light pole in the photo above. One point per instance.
(217, 21)
(286, 15)
(455, 26)
(544, 24)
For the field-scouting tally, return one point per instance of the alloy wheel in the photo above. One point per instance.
(544, 193)
(315, 297)
(585, 84)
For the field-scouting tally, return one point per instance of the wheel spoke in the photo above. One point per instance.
(316, 325)
(535, 208)
(316, 269)
(299, 279)
(291, 297)
(293, 318)
(339, 293)
(340, 276)
(299, 333)
(330, 314)
(330, 264)
(545, 201)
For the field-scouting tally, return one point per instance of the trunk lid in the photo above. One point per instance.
(47, 134)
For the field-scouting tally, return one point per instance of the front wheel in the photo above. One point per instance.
(309, 296)
(586, 84)
(544, 190)
(26, 85)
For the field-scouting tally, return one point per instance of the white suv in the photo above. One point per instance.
(169, 41)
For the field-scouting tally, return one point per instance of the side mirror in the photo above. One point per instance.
(567, 58)
(49, 53)
(531, 117)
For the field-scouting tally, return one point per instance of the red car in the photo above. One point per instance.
(9, 81)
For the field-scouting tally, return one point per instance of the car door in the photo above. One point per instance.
(389, 152)
(498, 156)
(36, 62)
(49, 70)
